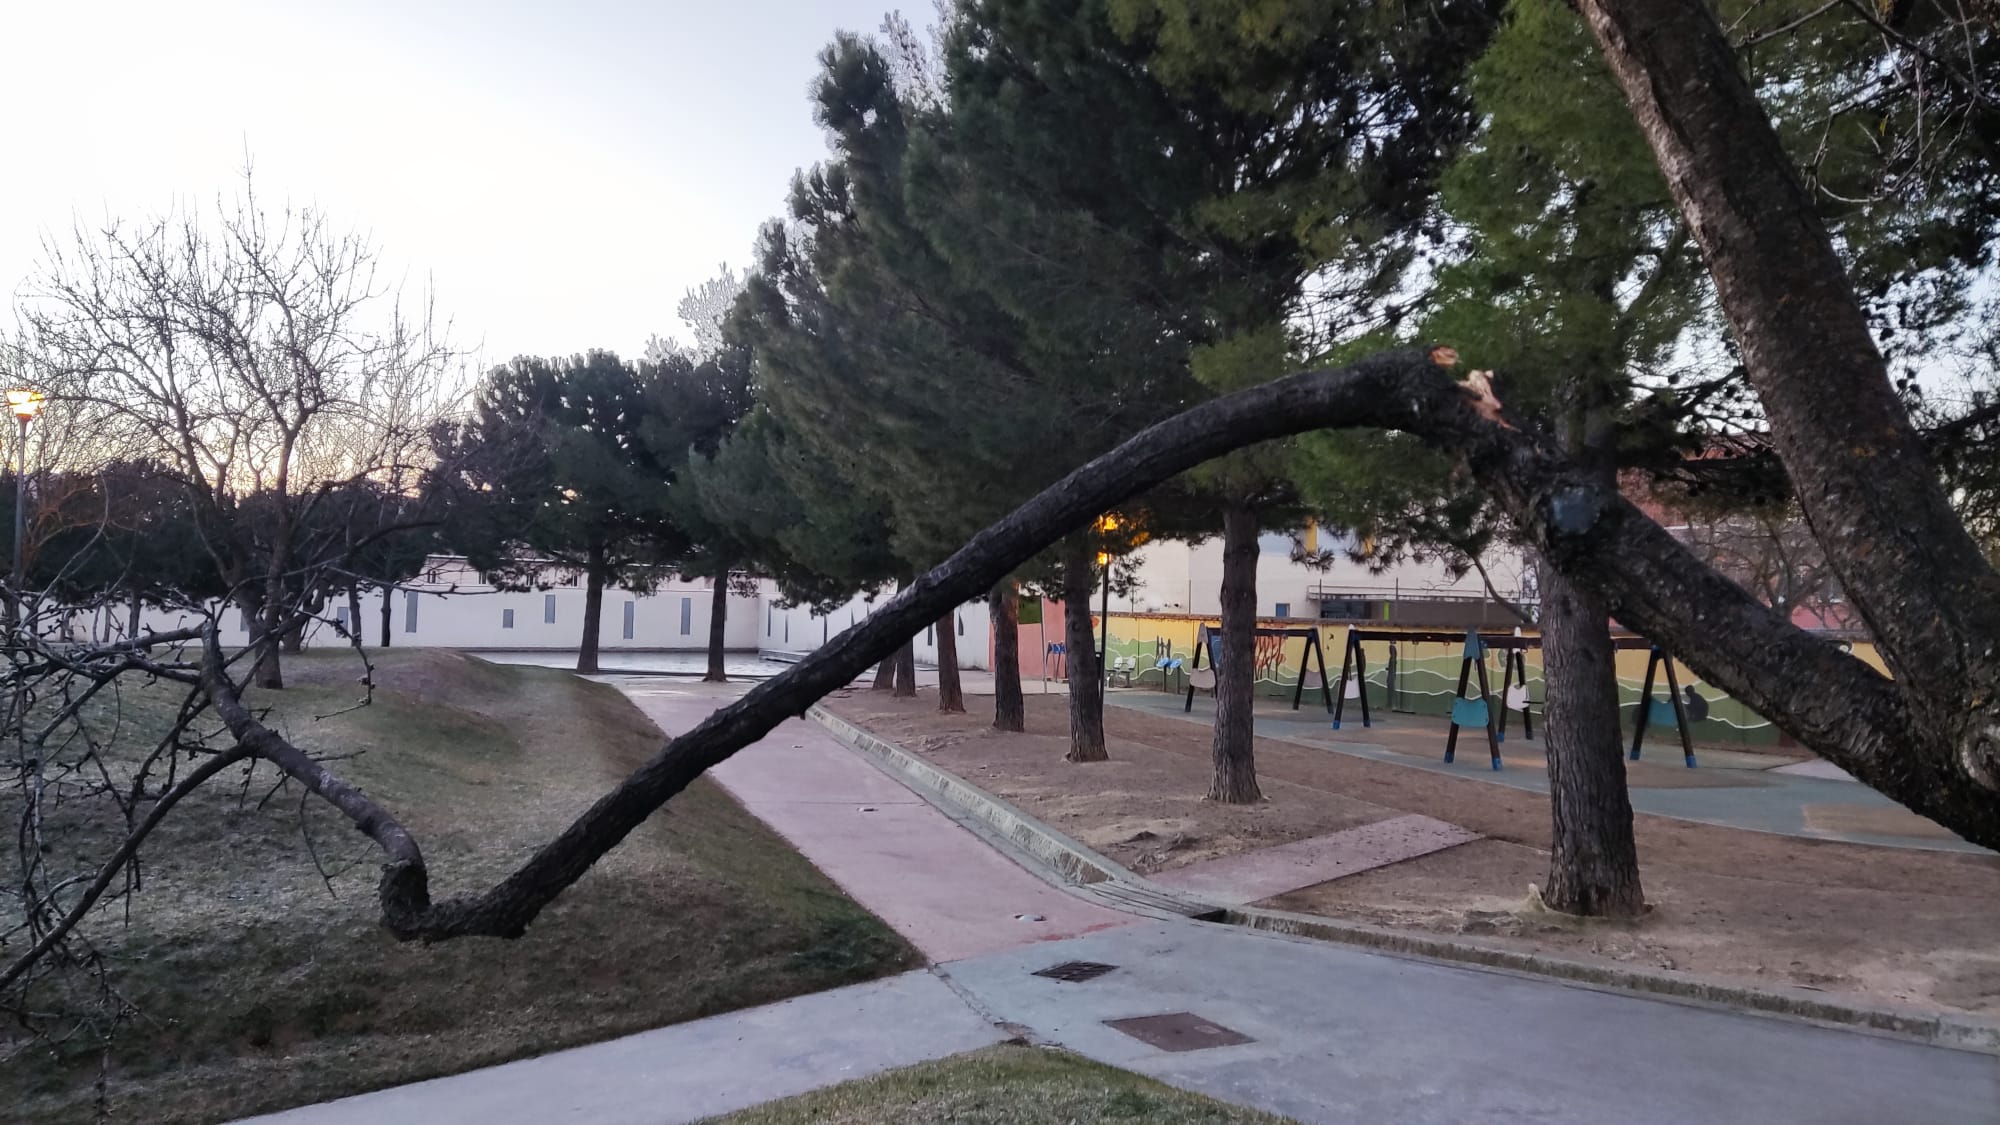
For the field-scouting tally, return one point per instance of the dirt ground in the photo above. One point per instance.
(1897, 925)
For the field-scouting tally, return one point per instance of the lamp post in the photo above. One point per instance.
(1105, 524)
(25, 403)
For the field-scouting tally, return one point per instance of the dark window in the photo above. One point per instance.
(631, 610)
(409, 611)
(506, 619)
(1284, 609)
(687, 616)
(549, 608)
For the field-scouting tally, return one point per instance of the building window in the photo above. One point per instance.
(243, 619)
(506, 619)
(549, 608)
(340, 617)
(687, 616)
(788, 629)
(930, 634)
(631, 608)
(960, 618)
(1284, 609)
(770, 619)
(409, 611)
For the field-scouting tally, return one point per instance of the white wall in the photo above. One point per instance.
(1175, 577)
(799, 630)
(675, 616)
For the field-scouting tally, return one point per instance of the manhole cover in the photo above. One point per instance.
(1178, 1031)
(1075, 971)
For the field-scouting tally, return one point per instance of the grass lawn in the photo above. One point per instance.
(1005, 1085)
(256, 988)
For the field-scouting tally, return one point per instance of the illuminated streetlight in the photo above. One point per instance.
(25, 403)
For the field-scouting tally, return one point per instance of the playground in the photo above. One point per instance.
(1753, 874)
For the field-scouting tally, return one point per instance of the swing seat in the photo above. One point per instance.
(1660, 713)
(1203, 678)
(1469, 712)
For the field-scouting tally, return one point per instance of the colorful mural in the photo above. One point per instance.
(1414, 678)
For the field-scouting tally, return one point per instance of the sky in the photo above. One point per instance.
(559, 173)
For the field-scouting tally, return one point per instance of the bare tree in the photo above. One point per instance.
(260, 353)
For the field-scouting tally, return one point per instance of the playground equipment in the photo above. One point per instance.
(1055, 655)
(1473, 712)
(1204, 642)
(1354, 663)
(1673, 711)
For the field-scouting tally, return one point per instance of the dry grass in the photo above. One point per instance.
(1005, 1085)
(257, 989)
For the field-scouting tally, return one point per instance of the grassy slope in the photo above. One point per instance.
(259, 990)
(1004, 1085)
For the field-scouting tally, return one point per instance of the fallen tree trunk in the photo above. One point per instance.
(1831, 701)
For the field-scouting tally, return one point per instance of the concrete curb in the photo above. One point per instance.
(1098, 877)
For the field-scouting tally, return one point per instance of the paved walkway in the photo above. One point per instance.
(939, 885)
(1328, 1034)
(1751, 795)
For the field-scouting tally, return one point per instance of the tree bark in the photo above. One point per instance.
(885, 675)
(1593, 860)
(593, 611)
(1862, 476)
(1010, 706)
(354, 615)
(1234, 749)
(951, 694)
(718, 620)
(132, 615)
(1086, 687)
(906, 670)
(388, 611)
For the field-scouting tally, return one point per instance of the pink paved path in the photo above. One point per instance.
(943, 888)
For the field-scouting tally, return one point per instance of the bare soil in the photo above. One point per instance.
(1887, 924)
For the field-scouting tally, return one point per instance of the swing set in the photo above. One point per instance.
(1478, 711)
(1204, 642)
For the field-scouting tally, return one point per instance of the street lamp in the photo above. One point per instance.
(1105, 524)
(25, 403)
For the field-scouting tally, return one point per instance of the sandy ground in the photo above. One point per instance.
(1890, 924)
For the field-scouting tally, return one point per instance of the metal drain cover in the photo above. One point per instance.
(1075, 971)
(1178, 1031)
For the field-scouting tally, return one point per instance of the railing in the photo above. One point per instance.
(1396, 607)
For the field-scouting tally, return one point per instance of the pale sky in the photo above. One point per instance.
(562, 170)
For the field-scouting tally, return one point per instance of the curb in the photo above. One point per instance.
(1073, 865)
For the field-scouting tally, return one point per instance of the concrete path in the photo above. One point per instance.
(1791, 802)
(1322, 1033)
(939, 885)
(1355, 1038)
(690, 1070)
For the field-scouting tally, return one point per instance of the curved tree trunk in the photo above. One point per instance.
(388, 611)
(1234, 748)
(718, 622)
(1086, 687)
(354, 614)
(1010, 706)
(906, 670)
(885, 674)
(1833, 702)
(951, 694)
(1593, 859)
(593, 612)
